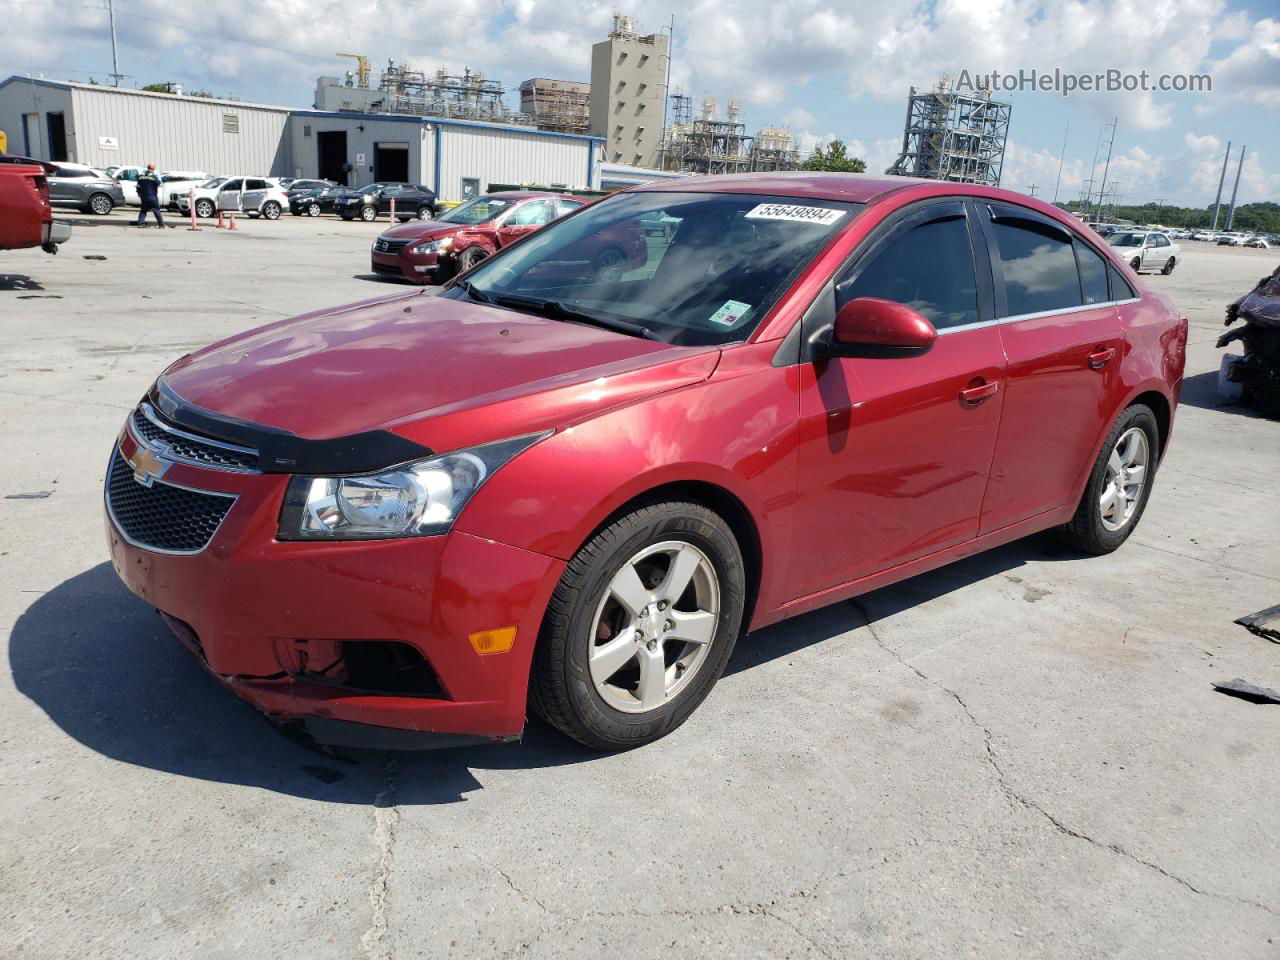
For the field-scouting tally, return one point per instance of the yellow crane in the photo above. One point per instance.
(362, 68)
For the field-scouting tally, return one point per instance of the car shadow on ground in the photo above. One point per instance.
(107, 672)
(18, 281)
(1201, 391)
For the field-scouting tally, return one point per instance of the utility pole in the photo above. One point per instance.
(1221, 180)
(1033, 188)
(116, 75)
(1231, 211)
(1061, 157)
(666, 91)
(1102, 191)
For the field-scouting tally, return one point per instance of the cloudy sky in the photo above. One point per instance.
(825, 68)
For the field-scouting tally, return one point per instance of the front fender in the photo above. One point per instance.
(736, 432)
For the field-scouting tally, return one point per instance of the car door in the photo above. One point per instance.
(894, 451)
(385, 196)
(229, 194)
(62, 188)
(254, 193)
(524, 219)
(1063, 339)
(128, 180)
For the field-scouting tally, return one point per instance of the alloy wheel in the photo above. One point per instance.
(653, 626)
(204, 208)
(100, 204)
(313, 210)
(1125, 478)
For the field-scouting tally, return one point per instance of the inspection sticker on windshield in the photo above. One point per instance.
(730, 313)
(794, 211)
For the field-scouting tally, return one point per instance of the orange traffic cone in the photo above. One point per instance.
(232, 217)
(221, 224)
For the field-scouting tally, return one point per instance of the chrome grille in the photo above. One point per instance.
(182, 447)
(390, 246)
(163, 517)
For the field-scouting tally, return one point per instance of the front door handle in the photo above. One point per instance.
(973, 395)
(1101, 357)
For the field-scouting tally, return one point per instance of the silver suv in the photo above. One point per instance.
(86, 189)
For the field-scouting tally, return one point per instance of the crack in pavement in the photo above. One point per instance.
(1007, 789)
(386, 815)
(763, 908)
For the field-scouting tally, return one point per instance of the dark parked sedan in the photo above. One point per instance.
(313, 201)
(411, 200)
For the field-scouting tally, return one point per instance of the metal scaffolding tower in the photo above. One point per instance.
(953, 136)
(563, 106)
(466, 97)
(710, 145)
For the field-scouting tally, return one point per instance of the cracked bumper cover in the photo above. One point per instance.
(246, 590)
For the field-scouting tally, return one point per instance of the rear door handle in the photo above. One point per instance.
(974, 395)
(1101, 357)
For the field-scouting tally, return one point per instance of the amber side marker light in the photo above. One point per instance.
(493, 641)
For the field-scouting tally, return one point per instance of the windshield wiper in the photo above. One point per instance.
(473, 293)
(558, 311)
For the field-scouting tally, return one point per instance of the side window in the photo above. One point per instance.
(929, 268)
(255, 184)
(1039, 267)
(230, 185)
(391, 190)
(128, 175)
(1120, 287)
(1093, 273)
(568, 206)
(1161, 240)
(533, 214)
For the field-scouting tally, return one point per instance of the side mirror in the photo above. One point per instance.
(872, 327)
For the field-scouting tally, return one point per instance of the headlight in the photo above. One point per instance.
(434, 246)
(414, 500)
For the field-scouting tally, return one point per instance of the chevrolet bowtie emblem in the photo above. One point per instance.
(148, 465)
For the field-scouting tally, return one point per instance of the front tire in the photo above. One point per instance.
(368, 214)
(1168, 266)
(313, 210)
(1119, 485)
(100, 204)
(640, 627)
(469, 259)
(1136, 264)
(204, 209)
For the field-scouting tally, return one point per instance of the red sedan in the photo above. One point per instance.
(423, 251)
(403, 522)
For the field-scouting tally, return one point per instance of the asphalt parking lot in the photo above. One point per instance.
(1016, 756)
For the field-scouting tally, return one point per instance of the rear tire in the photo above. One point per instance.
(576, 683)
(1090, 530)
(271, 210)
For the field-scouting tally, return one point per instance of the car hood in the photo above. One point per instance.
(441, 372)
(423, 230)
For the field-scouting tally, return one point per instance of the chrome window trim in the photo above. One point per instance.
(106, 497)
(1063, 311)
(148, 411)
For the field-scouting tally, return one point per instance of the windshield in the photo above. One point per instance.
(476, 210)
(686, 268)
(1125, 239)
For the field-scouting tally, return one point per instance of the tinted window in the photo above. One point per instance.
(1093, 273)
(255, 184)
(1039, 267)
(929, 268)
(230, 185)
(1120, 287)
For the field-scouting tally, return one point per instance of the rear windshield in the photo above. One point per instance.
(686, 268)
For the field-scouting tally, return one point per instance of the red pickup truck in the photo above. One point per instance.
(26, 218)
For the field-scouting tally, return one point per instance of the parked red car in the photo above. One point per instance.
(26, 218)
(389, 522)
(455, 242)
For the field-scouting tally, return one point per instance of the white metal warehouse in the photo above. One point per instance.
(104, 126)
